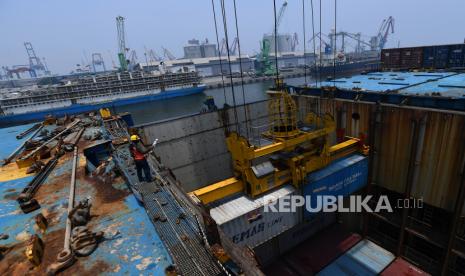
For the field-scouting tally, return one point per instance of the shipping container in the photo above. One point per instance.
(411, 58)
(270, 250)
(366, 258)
(401, 267)
(390, 58)
(245, 221)
(341, 178)
(441, 57)
(457, 56)
(429, 53)
(303, 231)
(315, 253)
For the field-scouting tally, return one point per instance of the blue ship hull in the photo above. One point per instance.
(17, 119)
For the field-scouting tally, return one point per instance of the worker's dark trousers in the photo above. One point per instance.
(142, 165)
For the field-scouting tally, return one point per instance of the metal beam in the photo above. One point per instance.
(219, 190)
(459, 203)
(408, 185)
(375, 121)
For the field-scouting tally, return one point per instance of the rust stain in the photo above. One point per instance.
(105, 190)
(441, 159)
(16, 263)
(78, 268)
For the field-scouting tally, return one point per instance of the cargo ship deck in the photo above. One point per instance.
(137, 228)
(131, 245)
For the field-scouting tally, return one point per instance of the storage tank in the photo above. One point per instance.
(208, 50)
(284, 42)
(192, 51)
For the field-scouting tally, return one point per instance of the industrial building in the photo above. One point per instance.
(195, 49)
(285, 42)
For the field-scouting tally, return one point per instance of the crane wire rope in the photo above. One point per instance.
(333, 102)
(242, 75)
(335, 43)
(305, 42)
(219, 53)
(276, 41)
(225, 28)
(314, 42)
(319, 67)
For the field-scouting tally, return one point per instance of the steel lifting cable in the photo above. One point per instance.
(242, 75)
(219, 54)
(275, 40)
(335, 43)
(314, 42)
(305, 42)
(319, 66)
(334, 62)
(225, 27)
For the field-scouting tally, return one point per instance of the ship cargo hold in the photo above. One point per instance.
(365, 258)
(411, 122)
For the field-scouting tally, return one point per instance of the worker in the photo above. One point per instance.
(138, 151)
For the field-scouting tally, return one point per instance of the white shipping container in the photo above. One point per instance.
(244, 221)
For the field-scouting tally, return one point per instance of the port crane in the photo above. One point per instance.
(167, 54)
(379, 41)
(97, 60)
(232, 47)
(153, 56)
(121, 43)
(267, 67)
(35, 64)
(319, 36)
(133, 58)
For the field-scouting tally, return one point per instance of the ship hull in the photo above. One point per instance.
(348, 68)
(17, 119)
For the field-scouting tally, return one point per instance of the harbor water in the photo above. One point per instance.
(180, 106)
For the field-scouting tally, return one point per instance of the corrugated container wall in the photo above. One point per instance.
(428, 56)
(441, 57)
(365, 258)
(457, 56)
(390, 58)
(441, 158)
(341, 178)
(245, 221)
(411, 57)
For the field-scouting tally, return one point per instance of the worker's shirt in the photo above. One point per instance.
(138, 151)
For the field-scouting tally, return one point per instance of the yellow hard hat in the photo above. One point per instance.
(134, 137)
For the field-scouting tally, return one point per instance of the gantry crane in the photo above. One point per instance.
(97, 60)
(35, 64)
(121, 43)
(288, 156)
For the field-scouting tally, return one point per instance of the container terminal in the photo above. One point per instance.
(85, 190)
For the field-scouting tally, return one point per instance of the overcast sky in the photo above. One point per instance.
(68, 32)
